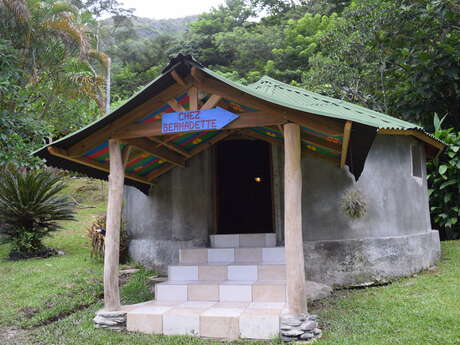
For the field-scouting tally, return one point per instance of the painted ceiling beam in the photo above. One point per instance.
(245, 120)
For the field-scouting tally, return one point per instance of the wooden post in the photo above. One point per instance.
(112, 236)
(293, 241)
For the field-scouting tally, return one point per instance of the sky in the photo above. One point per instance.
(162, 9)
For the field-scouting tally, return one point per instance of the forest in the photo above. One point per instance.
(63, 64)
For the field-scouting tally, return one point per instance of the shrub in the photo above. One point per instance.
(444, 184)
(96, 235)
(31, 207)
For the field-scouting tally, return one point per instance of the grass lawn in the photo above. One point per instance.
(52, 301)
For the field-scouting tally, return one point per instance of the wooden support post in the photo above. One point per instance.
(112, 236)
(293, 241)
(345, 143)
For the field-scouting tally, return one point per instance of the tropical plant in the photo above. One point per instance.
(444, 184)
(353, 204)
(31, 206)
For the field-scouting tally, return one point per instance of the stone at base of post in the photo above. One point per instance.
(113, 320)
(299, 328)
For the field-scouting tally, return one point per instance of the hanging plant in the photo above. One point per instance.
(353, 204)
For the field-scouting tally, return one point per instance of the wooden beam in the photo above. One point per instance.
(125, 155)
(318, 141)
(323, 124)
(211, 102)
(333, 160)
(113, 224)
(293, 241)
(262, 137)
(173, 147)
(176, 106)
(193, 98)
(222, 135)
(249, 119)
(58, 152)
(345, 142)
(137, 113)
(178, 78)
(148, 147)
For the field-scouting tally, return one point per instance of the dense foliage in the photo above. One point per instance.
(30, 207)
(444, 183)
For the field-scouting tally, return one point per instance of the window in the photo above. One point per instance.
(416, 161)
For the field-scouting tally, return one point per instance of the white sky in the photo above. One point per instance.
(161, 9)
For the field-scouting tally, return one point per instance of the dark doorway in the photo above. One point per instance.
(244, 187)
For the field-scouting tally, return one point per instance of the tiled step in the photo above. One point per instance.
(243, 240)
(195, 256)
(268, 291)
(206, 319)
(220, 272)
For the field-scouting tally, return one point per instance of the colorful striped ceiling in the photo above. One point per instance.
(143, 164)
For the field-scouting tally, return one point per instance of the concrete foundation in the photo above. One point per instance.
(394, 237)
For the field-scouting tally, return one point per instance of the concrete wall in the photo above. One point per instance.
(393, 238)
(177, 214)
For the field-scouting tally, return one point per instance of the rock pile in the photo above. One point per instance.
(114, 320)
(299, 328)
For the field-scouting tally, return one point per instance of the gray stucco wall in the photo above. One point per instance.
(177, 214)
(393, 238)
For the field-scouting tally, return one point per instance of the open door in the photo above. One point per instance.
(244, 187)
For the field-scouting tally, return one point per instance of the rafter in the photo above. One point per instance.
(148, 147)
(170, 146)
(178, 78)
(160, 171)
(325, 125)
(245, 120)
(58, 152)
(211, 102)
(259, 136)
(193, 98)
(176, 106)
(125, 155)
(311, 139)
(104, 133)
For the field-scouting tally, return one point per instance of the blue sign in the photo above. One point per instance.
(196, 120)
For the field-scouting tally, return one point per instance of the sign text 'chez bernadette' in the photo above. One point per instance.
(196, 120)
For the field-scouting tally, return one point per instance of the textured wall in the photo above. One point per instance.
(177, 214)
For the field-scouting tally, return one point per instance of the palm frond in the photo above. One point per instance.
(19, 8)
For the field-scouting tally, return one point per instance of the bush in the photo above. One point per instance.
(30, 207)
(96, 235)
(444, 184)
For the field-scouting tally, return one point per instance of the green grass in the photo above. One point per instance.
(54, 300)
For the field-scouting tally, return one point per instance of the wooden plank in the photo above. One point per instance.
(148, 147)
(104, 133)
(193, 98)
(323, 143)
(293, 241)
(262, 137)
(222, 135)
(211, 102)
(345, 142)
(323, 124)
(173, 147)
(126, 153)
(176, 106)
(249, 119)
(112, 235)
(58, 152)
(178, 78)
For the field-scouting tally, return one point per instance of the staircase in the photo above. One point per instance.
(235, 289)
